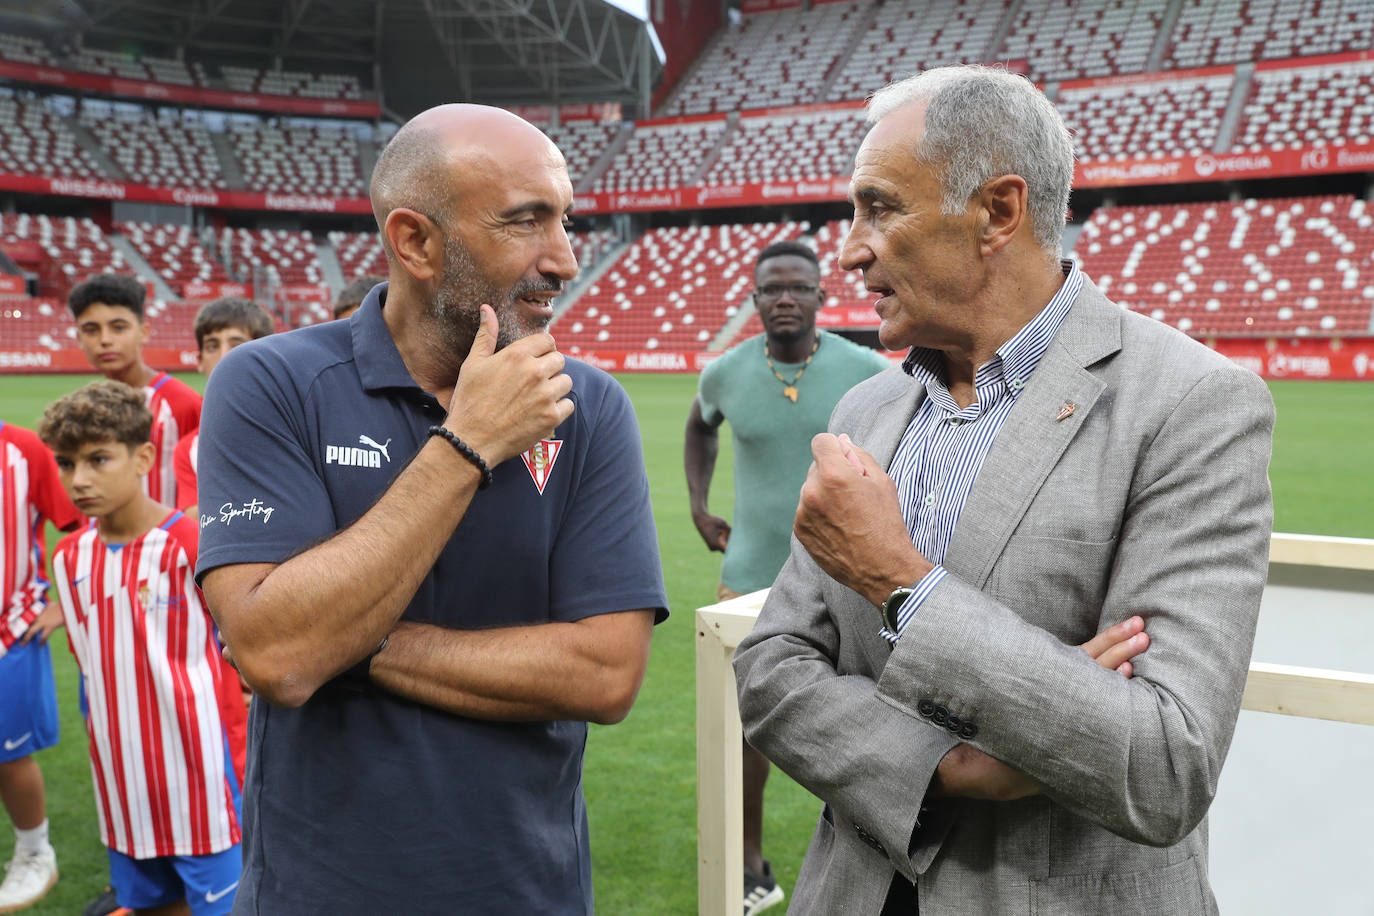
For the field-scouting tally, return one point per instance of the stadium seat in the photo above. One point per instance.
(906, 38)
(176, 253)
(297, 157)
(169, 149)
(772, 58)
(672, 289)
(789, 148)
(1323, 105)
(1146, 120)
(661, 156)
(1069, 39)
(1208, 33)
(1282, 266)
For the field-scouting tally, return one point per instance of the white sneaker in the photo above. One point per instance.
(28, 879)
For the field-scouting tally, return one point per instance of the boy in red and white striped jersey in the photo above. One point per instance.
(30, 494)
(166, 795)
(221, 326)
(108, 309)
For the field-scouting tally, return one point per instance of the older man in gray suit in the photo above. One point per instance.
(1054, 465)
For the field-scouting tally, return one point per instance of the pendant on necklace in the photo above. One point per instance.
(790, 392)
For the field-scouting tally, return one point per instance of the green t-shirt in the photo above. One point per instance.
(772, 439)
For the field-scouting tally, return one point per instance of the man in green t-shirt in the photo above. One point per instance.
(777, 390)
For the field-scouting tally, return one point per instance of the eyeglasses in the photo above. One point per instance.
(774, 291)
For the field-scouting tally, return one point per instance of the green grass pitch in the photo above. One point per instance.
(641, 774)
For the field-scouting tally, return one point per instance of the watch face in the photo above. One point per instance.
(893, 604)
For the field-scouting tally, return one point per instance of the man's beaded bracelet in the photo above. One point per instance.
(466, 451)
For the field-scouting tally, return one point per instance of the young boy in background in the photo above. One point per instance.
(108, 309)
(30, 494)
(220, 326)
(166, 797)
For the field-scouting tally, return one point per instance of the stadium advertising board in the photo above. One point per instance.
(187, 95)
(104, 189)
(728, 195)
(598, 112)
(1310, 160)
(1314, 358)
(304, 292)
(12, 285)
(198, 290)
(30, 360)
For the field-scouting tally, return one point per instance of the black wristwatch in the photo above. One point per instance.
(893, 604)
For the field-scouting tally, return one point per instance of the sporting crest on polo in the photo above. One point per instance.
(539, 460)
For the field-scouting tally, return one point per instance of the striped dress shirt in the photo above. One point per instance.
(944, 445)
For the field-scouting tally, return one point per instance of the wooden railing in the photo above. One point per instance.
(1294, 559)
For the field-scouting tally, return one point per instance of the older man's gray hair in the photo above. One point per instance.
(982, 122)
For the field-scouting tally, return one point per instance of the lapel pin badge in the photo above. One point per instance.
(1066, 411)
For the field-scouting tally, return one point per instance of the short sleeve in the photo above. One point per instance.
(185, 471)
(708, 393)
(605, 557)
(261, 496)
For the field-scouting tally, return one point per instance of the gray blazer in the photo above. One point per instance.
(1152, 498)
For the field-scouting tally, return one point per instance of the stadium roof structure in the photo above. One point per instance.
(420, 52)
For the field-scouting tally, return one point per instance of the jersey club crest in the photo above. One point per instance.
(539, 460)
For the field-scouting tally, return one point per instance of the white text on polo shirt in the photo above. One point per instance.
(352, 456)
(251, 509)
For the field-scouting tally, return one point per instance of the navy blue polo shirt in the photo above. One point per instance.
(365, 802)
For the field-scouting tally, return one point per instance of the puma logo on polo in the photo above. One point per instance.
(368, 440)
(352, 456)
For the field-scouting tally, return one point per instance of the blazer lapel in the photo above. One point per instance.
(878, 430)
(1047, 415)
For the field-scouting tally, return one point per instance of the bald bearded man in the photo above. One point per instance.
(432, 578)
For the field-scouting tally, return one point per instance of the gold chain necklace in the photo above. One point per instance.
(789, 389)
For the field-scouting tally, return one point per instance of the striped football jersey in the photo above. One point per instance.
(151, 664)
(176, 412)
(185, 460)
(30, 493)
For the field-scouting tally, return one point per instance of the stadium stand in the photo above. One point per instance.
(590, 247)
(1291, 266)
(780, 148)
(905, 38)
(175, 252)
(35, 323)
(1146, 120)
(69, 250)
(292, 82)
(361, 252)
(282, 257)
(24, 50)
(661, 156)
(162, 149)
(1324, 104)
(839, 51)
(1068, 40)
(358, 253)
(36, 141)
(297, 157)
(582, 143)
(673, 288)
(118, 63)
(773, 58)
(1209, 33)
